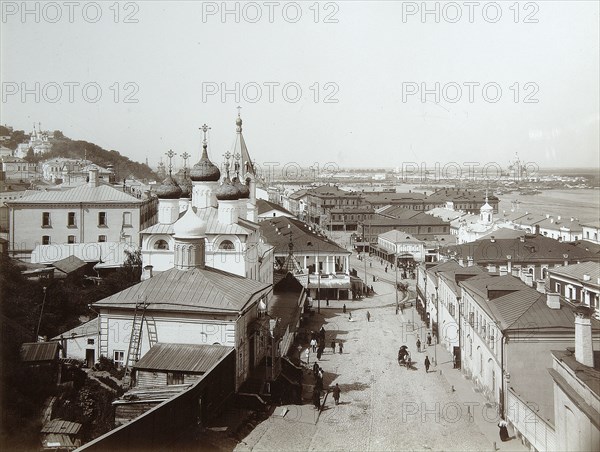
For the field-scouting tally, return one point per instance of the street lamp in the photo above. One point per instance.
(396, 266)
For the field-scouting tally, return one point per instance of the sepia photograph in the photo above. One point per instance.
(300, 225)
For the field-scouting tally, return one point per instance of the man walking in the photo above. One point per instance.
(368, 316)
(418, 345)
(313, 344)
(341, 347)
(428, 339)
(427, 364)
(336, 394)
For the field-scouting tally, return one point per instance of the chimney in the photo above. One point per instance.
(493, 239)
(584, 352)
(93, 176)
(566, 258)
(540, 286)
(522, 239)
(529, 279)
(469, 261)
(587, 277)
(147, 272)
(503, 271)
(509, 264)
(537, 229)
(553, 300)
(515, 272)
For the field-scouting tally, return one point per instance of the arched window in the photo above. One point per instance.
(226, 245)
(161, 245)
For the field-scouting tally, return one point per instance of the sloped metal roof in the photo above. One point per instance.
(577, 271)
(61, 426)
(183, 357)
(194, 290)
(102, 194)
(39, 351)
(69, 264)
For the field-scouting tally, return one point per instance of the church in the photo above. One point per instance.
(225, 202)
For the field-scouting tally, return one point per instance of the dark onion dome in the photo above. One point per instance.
(243, 189)
(186, 187)
(205, 170)
(169, 189)
(227, 191)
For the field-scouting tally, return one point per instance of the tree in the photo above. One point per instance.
(58, 135)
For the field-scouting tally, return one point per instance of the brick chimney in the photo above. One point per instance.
(541, 286)
(93, 177)
(147, 272)
(584, 351)
(553, 300)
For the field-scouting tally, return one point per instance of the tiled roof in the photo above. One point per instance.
(578, 270)
(69, 264)
(194, 290)
(102, 194)
(183, 357)
(305, 239)
(39, 351)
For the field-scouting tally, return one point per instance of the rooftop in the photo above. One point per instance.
(39, 351)
(590, 376)
(265, 206)
(101, 194)
(193, 290)
(577, 271)
(183, 357)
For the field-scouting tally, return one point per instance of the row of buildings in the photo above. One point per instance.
(525, 342)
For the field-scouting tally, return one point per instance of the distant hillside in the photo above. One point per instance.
(65, 147)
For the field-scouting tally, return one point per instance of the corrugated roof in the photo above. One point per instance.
(69, 264)
(192, 290)
(61, 426)
(183, 357)
(39, 351)
(103, 194)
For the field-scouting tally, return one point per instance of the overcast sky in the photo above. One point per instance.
(361, 68)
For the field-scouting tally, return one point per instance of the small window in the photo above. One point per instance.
(161, 245)
(101, 218)
(71, 239)
(126, 218)
(45, 219)
(226, 245)
(101, 238)
(119, 357)
(174, 378)
(90, 341)
(46, 240)
(71, 219)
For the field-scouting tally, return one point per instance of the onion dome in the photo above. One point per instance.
(169, 189)
(227, 191)
(189, 226)
(243, 189)
(205, 170)
(186, 187)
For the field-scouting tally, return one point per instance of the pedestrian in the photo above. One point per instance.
(503, 430)
(333, 347)
(373, 278)
(418, 344)
(344, 308)
(427, 364)
(327, 301)
(336, 394)
(350, 317)
(341, 347)
(386, 268)
(317, 398)
(307, 354)
(371, 264)
(322, 334)
(315, 369)
(368, 316)
(319, 352)
(428, 339)
(313, 344)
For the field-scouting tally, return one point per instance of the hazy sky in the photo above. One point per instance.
(373, 58)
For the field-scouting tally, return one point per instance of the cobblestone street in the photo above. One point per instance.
(383, 406)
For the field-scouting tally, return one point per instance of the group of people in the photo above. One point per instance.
(317, 343)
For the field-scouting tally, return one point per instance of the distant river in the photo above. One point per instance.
(581, 203)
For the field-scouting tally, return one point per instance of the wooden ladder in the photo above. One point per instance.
(135, 340)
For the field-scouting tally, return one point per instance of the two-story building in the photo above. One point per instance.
(578, 283)
(93, 212)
